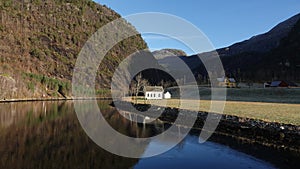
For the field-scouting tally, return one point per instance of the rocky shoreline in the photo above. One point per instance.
(252, 131)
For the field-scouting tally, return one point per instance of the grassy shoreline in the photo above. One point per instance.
(286, 113)
(269, 112)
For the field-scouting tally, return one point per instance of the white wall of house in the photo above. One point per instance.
(167, 95)
(154, 95)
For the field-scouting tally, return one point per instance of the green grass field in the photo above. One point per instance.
(270, 112)
(271, 105)
(268, 95)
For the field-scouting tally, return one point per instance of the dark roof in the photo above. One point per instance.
(232, 80)
(153, 89)
(282, 83)
(275, 83)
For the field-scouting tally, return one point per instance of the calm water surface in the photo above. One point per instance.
(48, 135)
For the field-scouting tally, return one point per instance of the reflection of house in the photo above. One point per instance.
(167, 95)
(282, 84)
(154, 92)
(227, 82)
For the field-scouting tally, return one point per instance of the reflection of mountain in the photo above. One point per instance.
(55, 139)
(14, 113)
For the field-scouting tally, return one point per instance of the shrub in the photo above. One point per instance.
(31, 86)
(37, 53)
(7, 3)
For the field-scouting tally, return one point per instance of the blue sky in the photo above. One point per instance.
(223, 21)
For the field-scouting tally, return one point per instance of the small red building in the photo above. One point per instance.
(282, 84)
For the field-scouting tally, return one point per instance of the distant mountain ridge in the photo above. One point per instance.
(264, 42)
(160, 54)
(266, 57)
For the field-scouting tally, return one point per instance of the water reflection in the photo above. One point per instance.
(48, 135)
(12, 113)
(191, 154)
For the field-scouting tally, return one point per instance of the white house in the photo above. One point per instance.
(167, 95)
(154, 92)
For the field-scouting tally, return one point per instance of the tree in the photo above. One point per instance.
(137, 84)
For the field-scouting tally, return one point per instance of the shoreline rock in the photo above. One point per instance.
(271, 134)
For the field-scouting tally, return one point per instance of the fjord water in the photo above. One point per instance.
(49, 135)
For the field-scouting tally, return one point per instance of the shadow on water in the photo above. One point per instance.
(48, 135)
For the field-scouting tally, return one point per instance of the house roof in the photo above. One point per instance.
(153, 89)
(223, 79)
(232, 80)
(283, 84)
(168, 93)
(275, 83)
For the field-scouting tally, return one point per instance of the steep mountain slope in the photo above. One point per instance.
(40, 41)
(266, 57)
(264, 42)
(284, 61)
(280, 62)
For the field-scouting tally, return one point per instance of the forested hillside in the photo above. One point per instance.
(40, 41)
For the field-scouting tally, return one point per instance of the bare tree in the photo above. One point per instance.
(138, 83)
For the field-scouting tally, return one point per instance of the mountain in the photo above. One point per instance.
(40, 41)
(264, 42)
(266, 57)
(160, 54)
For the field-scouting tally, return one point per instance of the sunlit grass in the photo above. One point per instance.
(270, 112)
